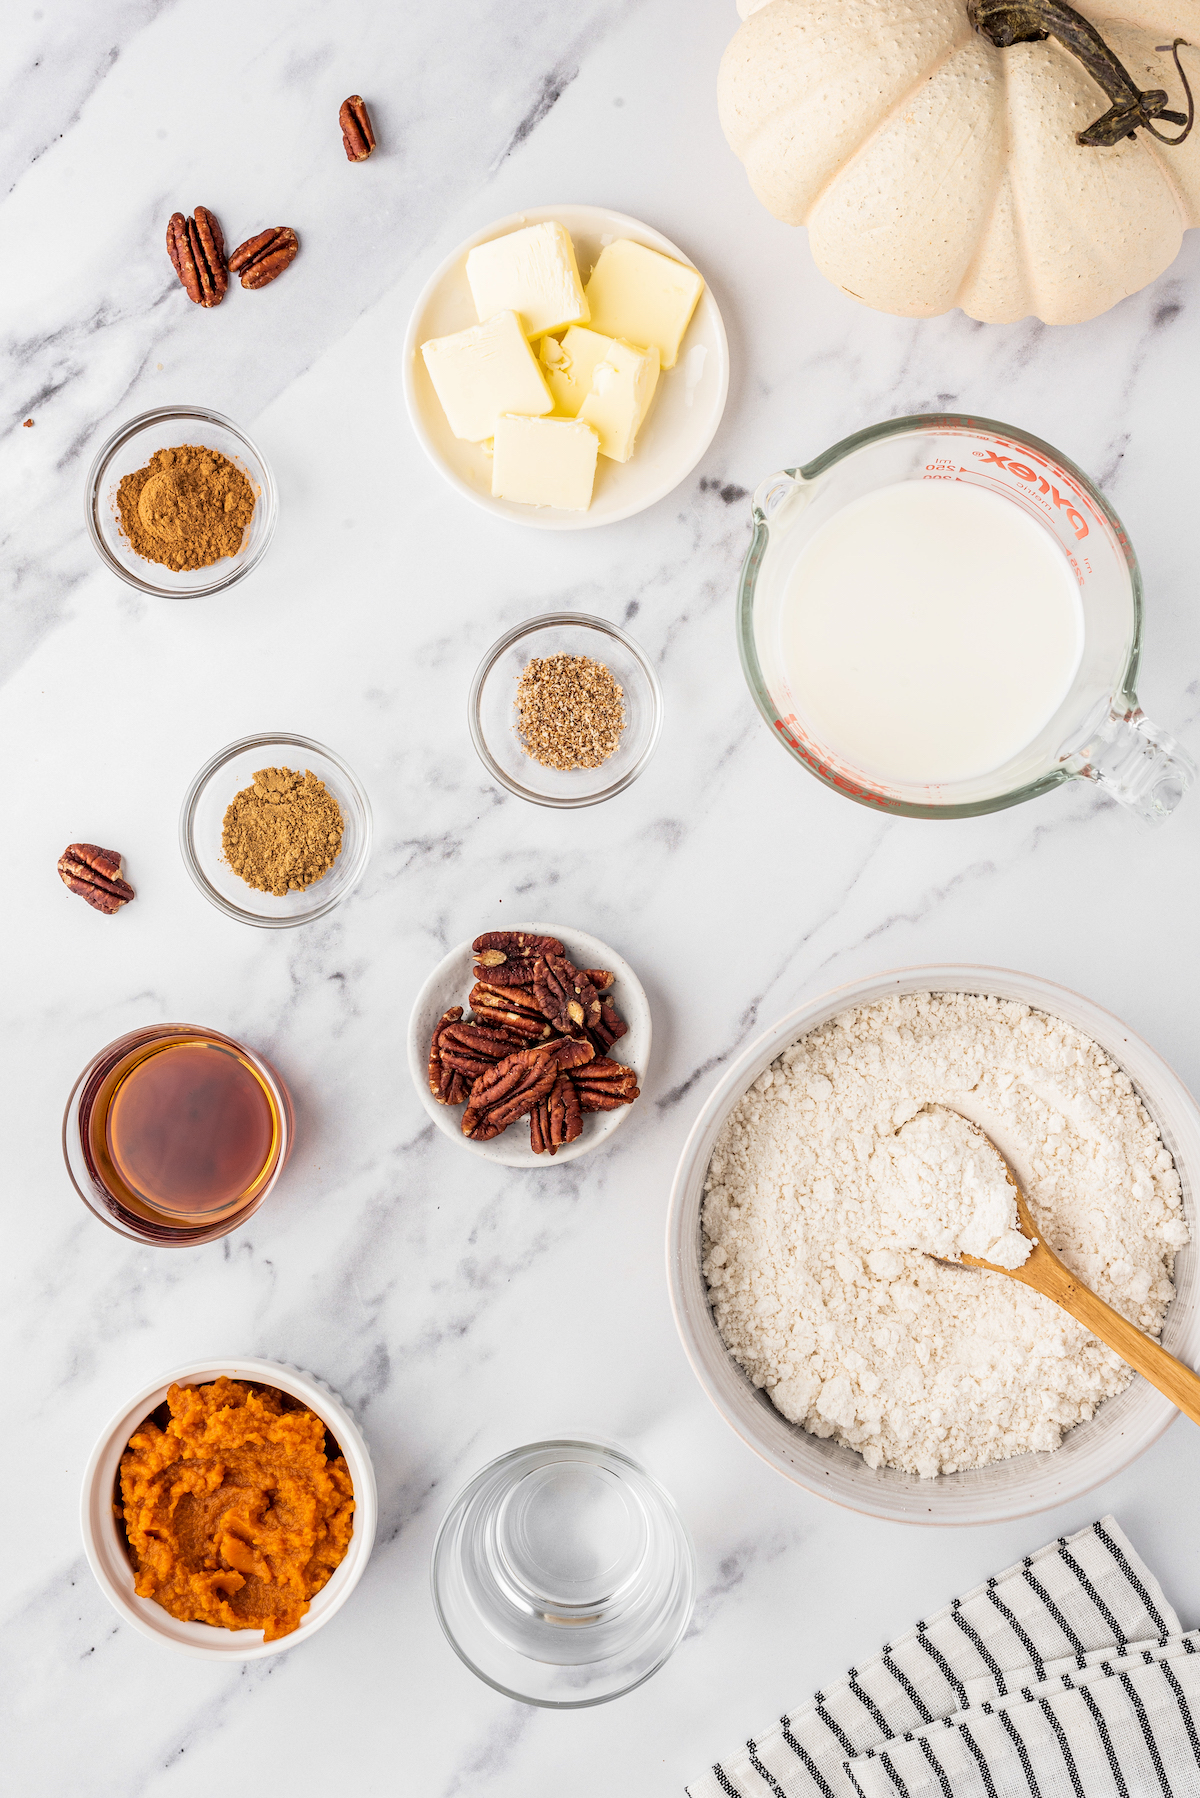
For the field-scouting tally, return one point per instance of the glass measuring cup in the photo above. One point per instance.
(1098, 731)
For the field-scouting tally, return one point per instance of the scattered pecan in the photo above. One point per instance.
(357, 135)
(600, 978)
(260, 259)
(506, 957)
(565, 994)
(95, 874)
(492, 1005)
(196, 247)
(507, 1091)
(443, 1079)
(557, 1119)
(474, 1048)
(603, 1085)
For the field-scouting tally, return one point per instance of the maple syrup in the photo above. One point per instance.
(182, 1130)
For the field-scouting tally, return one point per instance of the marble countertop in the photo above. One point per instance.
(462, 1308)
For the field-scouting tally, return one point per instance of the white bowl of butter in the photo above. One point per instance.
(680, 420)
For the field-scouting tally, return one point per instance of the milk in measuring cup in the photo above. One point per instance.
(930, 630)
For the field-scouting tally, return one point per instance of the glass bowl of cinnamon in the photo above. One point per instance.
(181, 502)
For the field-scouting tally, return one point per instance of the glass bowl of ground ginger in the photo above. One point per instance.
(276, 1522)
(275, 830)
(565, 710)
(180, 502)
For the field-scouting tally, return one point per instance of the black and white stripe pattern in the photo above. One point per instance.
(1009, 1677)
(1125, 1727)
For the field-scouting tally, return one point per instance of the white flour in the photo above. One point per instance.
(809, 1207)
(942, 1188)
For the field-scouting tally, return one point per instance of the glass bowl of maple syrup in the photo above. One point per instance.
(175, 1134)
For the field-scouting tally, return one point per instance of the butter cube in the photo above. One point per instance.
(545, 462)
(567, 367)
(622, 387)
(484, 371)
(532, 273)
(604, 380)
(643, 296)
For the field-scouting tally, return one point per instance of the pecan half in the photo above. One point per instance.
(474, 1048)
(508, 1008)
(506, 957)
(196, 247)
(566, 1118)
(95, 874)
(442, 1079)
(600, 978)
(565, 994)
(603, 1085)
(610, 1029)
(555, 1120)
(357, 135)
(507, 1091)
(571, 1052)
(260, 259)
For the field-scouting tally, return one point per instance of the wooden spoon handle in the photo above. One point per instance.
(1143, 1354)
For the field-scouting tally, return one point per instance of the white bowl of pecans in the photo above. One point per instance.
(527, 1045)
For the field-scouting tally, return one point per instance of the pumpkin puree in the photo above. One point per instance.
(233, 1514)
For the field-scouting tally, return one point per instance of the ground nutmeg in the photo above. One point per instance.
(570, 711)
(282, 833)
(187, 508)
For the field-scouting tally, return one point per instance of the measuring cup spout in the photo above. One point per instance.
(1139, 764)
(772, 494)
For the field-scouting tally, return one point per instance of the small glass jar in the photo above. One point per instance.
(175, 1134)
(130, 448)
(563, 1574)
(492, 718)
(219, 782)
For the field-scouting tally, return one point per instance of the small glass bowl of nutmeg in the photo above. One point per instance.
(145, 525)
(565, 710)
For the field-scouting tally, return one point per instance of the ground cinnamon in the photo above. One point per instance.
(187, 508)
(283, 832)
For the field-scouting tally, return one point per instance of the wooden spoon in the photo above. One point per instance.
(1043, 1272)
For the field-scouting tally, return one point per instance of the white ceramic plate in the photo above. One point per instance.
(103, 1538)
(683, 419)
(450, 983)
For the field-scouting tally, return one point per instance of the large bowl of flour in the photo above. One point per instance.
(863, 1370)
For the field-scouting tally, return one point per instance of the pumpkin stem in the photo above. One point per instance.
(1006, 22)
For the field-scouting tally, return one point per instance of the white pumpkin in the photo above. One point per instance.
(933, 169)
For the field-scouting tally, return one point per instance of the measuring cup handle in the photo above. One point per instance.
(1139, 764)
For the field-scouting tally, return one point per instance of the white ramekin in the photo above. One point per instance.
(450, 984)
(103, 1537)
(1122, 1428)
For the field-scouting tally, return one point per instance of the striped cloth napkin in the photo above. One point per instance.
(1066, 1677)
